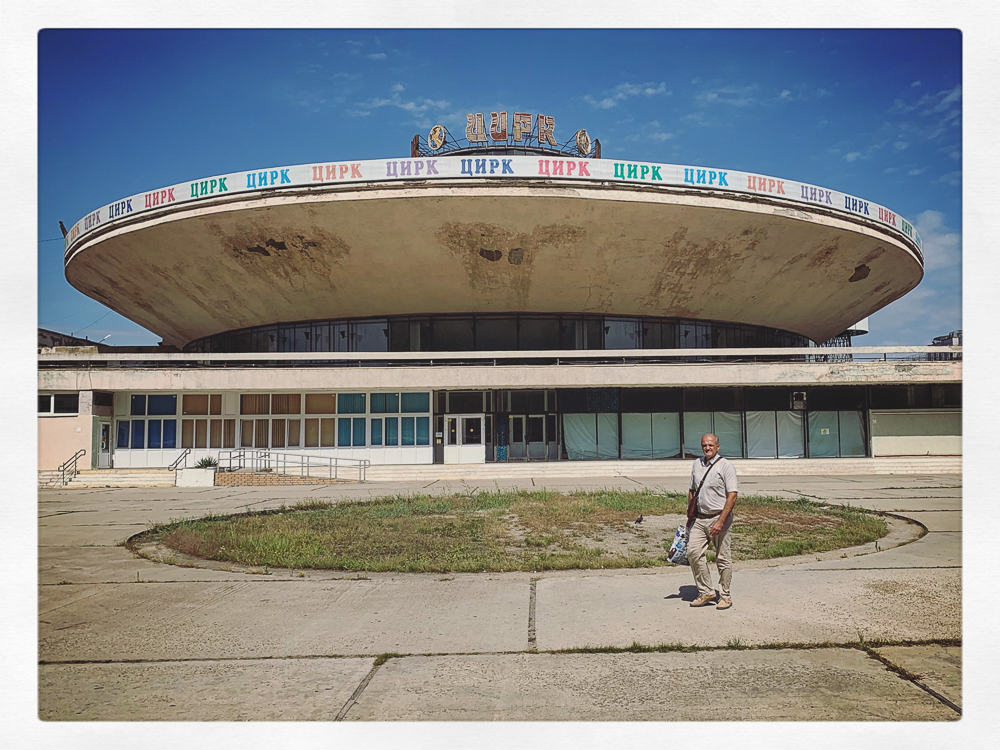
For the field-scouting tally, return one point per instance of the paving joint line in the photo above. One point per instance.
(532, 643)
(353, 700)
(909, 677)
(583, 650)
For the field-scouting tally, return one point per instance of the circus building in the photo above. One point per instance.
(501, 296)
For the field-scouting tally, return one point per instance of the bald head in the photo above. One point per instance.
(709, 446)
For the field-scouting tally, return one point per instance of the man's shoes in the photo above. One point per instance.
(702, 600)
(724, 604)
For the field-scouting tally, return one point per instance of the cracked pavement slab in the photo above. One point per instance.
(789, 685)
(320, 630)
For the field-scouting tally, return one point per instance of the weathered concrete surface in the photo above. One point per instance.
(250, 690)
(99, 602)
(256, 617)
(528, 246)
(790, 685)
(937, 667)
(780, 605)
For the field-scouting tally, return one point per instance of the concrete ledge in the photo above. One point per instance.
(670, 468)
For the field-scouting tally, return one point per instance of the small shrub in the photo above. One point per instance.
(206, 463)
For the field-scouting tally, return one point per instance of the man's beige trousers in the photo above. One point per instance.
(698, 541)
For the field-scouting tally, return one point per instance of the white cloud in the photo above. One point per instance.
(942, 246)
(377, 56)
(900, 145)
(852, 155)
(650, 131)
(952, 178)
(785, 95)
(914, 84)
(737, 96)
(415, 106)
(624, 91)
(917, 171)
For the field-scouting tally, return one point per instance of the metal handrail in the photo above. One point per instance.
(258, 459)
(183, 457)
(70, 465)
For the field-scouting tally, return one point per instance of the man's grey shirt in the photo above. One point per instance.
(721, 481)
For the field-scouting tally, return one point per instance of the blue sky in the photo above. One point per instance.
(874, 113)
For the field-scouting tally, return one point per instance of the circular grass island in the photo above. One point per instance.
(515, 530)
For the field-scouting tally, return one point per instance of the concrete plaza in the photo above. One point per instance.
(124, 638)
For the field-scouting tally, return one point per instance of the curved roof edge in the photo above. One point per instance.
(561, 171)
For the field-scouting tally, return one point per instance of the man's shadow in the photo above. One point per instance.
(685, 594)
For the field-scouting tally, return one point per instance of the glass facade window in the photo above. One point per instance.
(154, 433)
(138, 405)
(321, 403)
(453, 335)
(496, 334)
(622, 334)
(286, 403)
(407, 432)
(536, 334)
(66, 403)
(351, 403)
(193, 403)
(371, 336)
(138, 434)
(416, 403)
(423, 430)
(122, 441)
(528, 332)
(255, 403)
(386, 403)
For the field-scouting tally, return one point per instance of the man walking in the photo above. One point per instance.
(711, 498)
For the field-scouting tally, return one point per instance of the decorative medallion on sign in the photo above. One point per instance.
(436, 138)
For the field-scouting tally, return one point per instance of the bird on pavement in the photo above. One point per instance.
(639, 519)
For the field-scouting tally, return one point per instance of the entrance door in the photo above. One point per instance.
(104, 447)
(536, 438)
(516, 448)
(464, 442)
(526, 438)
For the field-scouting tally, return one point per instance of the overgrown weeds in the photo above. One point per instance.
(503, 530)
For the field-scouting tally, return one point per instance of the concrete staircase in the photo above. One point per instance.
(123, 478)
(667, 468)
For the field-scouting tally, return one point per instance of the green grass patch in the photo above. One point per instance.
(511, 530)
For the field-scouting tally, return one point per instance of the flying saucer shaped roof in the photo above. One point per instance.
(492, 235)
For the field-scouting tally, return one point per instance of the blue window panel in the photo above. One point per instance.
(351, 403)
(154, 433)
(344, 432)
(416, 402)
(385, 403)
(162, 405)
(423, 430)
(138, 433)
(359, 431)
(138, 405)
(376, 431)
(407, 430)
(122, 434)
(169, 433)
(392, 430)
